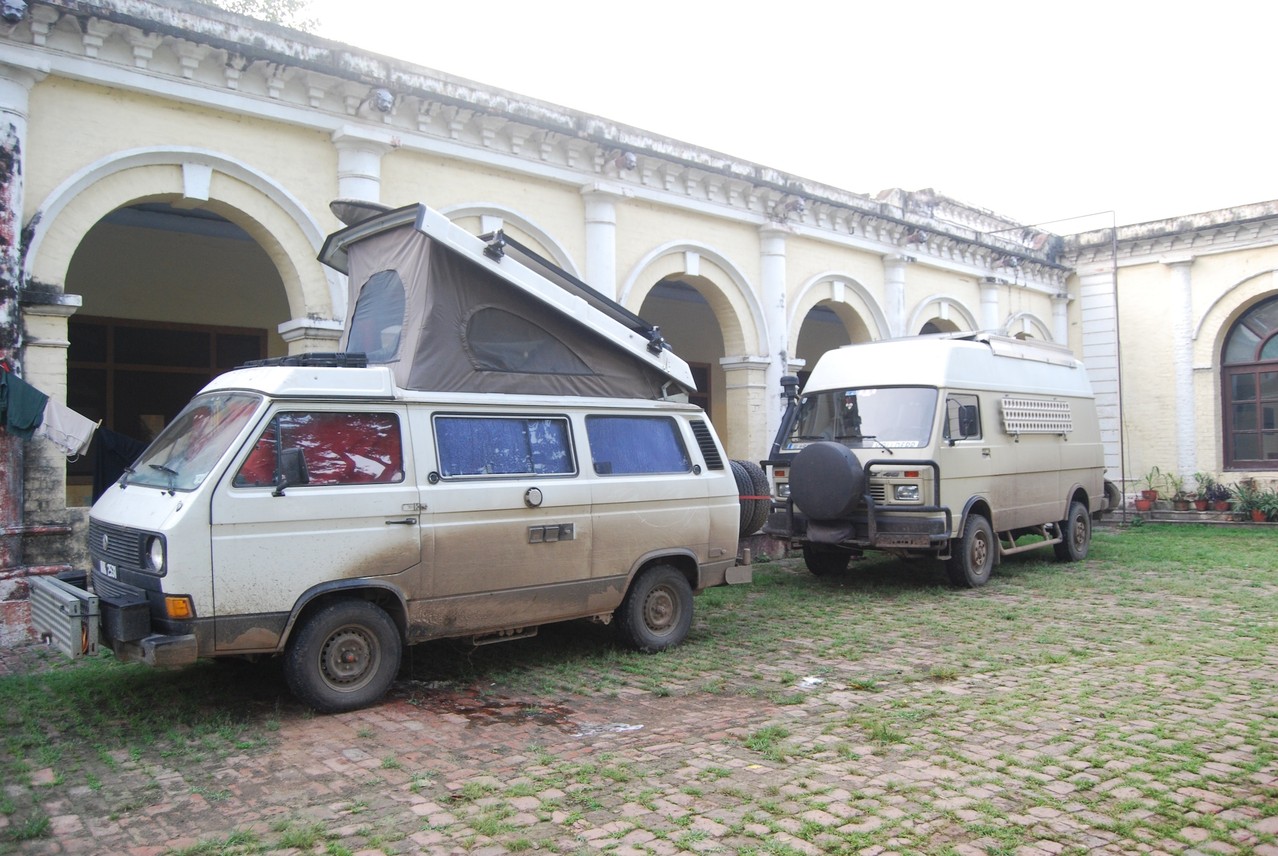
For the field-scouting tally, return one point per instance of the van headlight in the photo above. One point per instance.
(905, 492)
(155, 553)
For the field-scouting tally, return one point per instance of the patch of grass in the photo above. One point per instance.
(768, 742)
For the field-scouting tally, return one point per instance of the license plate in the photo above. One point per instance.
(902, 541)
(108, 570)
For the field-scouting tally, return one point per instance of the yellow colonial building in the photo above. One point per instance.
(168, 169)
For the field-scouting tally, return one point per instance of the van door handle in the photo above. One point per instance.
(985, 453)
(407, 521)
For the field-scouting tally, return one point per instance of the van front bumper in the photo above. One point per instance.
(158, 649)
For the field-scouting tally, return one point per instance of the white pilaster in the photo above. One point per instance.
(1060, 319)
(359, 165)
(1098, 299)
(772, 250)
(1183, 364)
(894, 293)
(601, 240)
(991, 319)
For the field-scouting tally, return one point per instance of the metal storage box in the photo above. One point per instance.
(65, 617)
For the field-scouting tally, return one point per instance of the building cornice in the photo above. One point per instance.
(1228, 230)
(209, 57)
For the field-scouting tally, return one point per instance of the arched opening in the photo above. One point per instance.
(678, 306)
(1249, 389)
(938, 325)
(172, 296)
(827, 326)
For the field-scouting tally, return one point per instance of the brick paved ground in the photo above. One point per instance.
(1106, 751)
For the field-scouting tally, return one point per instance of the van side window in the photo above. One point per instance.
(336, 448)
(962, 417)
(503, 445)
(621, 445)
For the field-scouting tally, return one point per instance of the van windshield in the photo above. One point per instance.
(873, 417)
(189, 447)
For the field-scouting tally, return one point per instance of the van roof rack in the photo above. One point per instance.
(318, 359)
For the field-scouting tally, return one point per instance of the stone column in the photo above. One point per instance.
(1183, 364)
(601, 240)
(894, 293)
(748, 398)
(309, 335)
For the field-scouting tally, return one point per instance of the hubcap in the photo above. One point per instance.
(348, 658)
(659, 610)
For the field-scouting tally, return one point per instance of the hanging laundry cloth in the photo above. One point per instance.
(21, 405)
(66, 429)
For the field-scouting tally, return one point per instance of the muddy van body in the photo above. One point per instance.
(948, 447)
(332, 508)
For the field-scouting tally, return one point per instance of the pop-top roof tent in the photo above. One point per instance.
(452, 312)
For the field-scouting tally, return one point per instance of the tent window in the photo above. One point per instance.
(378, 322)
(501, 341)
(621, 445)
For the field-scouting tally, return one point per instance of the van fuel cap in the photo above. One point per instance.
(532, 497)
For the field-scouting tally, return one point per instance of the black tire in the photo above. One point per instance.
(972, 560)
(344, 657)
(752, 481)
(1076, 532)
(824, 561)
(657, 611)
(827, 481)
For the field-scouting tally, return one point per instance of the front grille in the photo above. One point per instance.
(117, 545)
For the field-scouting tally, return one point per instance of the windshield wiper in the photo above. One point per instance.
(873, 437)
(164, 469)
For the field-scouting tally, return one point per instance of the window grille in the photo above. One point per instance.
(1036, 416)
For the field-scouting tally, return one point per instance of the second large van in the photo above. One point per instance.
(946, 447)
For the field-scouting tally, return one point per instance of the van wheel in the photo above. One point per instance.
(973, 557)
(657, 611)
(344, 657)
(824, 562)
(1076, 532)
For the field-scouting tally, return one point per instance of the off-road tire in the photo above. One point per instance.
(825, 561)
(972, 560)
(344, 657)
(1076, 534)
(657, 611)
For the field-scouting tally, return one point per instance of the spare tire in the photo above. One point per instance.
(827, 481)
(752, 482)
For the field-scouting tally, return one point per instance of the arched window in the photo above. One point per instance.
(1249, 385)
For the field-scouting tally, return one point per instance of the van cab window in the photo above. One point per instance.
(335, 448)
(882, 417)
(191, 445)
(630, 445)
(503, 445)
(962, 417)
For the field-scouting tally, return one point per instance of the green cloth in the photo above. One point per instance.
(21, 405)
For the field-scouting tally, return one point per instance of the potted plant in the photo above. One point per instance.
(1202, 496)
(1267, 505)
(1218, 496)
(1247, 498)
(1153, 481)
(1180, 497)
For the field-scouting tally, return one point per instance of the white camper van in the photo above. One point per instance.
(951, 447)
(493, 450)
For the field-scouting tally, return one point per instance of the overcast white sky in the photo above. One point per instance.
(1038, 111)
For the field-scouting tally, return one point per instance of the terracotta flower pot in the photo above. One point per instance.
(1220, 505)
(1258, 516)
(1200, 504)
(1143, 504)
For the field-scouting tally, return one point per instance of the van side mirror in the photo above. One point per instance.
(968, 424)
(291, 470)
